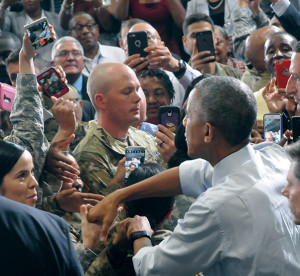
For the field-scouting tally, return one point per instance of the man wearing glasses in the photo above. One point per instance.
(83, 27)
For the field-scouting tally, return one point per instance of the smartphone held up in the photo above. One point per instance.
(273, 129)
(51, 83)
(7, 96)
(134, 157)
(39, 33)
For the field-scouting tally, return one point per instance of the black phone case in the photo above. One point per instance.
(137, 42)
(205, 43)
(169, 116)
(296, 128)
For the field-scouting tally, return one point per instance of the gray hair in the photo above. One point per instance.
(294, 153)
(229, 105)
(65, 39)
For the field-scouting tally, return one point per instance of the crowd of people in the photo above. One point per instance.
(218, 195)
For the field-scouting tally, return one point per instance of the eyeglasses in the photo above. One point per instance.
(74, 101)
(151, 37)
(65, 53)
(79, 28)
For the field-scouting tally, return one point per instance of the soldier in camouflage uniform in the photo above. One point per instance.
(113, 89)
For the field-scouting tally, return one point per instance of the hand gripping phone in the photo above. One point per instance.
(169, 116)
(282, 72)
(52, 83)
(273, 127)
(39, 33)
(136, 43)
(205, 42)
(134, 157)
(7, 96)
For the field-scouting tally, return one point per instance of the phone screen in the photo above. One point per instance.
(205, 43)
(272, 128)
(52, 84)
(134, 157)
(169, 116)
(137, 42)
(39, 33)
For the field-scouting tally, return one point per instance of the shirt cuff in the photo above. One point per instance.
(280, 7)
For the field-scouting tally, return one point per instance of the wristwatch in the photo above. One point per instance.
(182, 69)
(139, 234)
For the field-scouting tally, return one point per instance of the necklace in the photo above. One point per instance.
(216, 7)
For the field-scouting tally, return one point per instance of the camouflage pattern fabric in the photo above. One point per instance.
(27, 119)
(182, 205)
(98, 155)
(101, 265)
(225, 70)
(51, 128)
(254, 79)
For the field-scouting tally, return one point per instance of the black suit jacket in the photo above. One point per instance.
(290, 21)
(34, 242)
(85, 95)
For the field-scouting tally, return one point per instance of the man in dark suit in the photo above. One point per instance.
(68, 53)
(34, 242)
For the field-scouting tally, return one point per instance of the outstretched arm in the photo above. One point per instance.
(164, 184)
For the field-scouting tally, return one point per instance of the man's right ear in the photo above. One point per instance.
(184, 41)
(100, 101)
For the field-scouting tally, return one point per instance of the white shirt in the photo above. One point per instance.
(280, 7)
(105, 54)
(242, 225)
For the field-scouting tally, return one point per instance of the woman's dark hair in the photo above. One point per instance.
(163, 79)
(155, 208)
(10, 153)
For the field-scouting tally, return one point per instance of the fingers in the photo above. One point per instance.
(104, 231)
(285, 137)
(62, 144)
(93, 196)
(83, 213)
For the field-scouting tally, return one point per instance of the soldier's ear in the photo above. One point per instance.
(100, 101)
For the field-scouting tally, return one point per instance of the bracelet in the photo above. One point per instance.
(139, 234)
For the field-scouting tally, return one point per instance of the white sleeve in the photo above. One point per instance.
(280, 7)
(195, 177)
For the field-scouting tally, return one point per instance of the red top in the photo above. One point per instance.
(159, 16)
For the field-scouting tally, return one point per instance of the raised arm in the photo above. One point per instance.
(164, 184)
(121, 9)
(66, 13)
(177, 11)
(27, 111)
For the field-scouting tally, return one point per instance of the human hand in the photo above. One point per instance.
(64, 114)
(137, 63)
(165, 140)
(275, 101)
(138, 223)
(58, 164)
(256, 137)
(7, 3)
(105, 213)
(200, 61)
(254, 6)
(70, 200)
(242, 3)
(89, 231)
(161, 57)
(120, 174)
(285, 137)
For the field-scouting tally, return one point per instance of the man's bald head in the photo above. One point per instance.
(103, 77)
(254, 48)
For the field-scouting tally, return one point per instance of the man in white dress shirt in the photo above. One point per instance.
(240, 223)
(83, 27)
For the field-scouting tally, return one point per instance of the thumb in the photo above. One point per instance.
(83, 212)
(64, 142)
(54, 99)
(104, 232)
